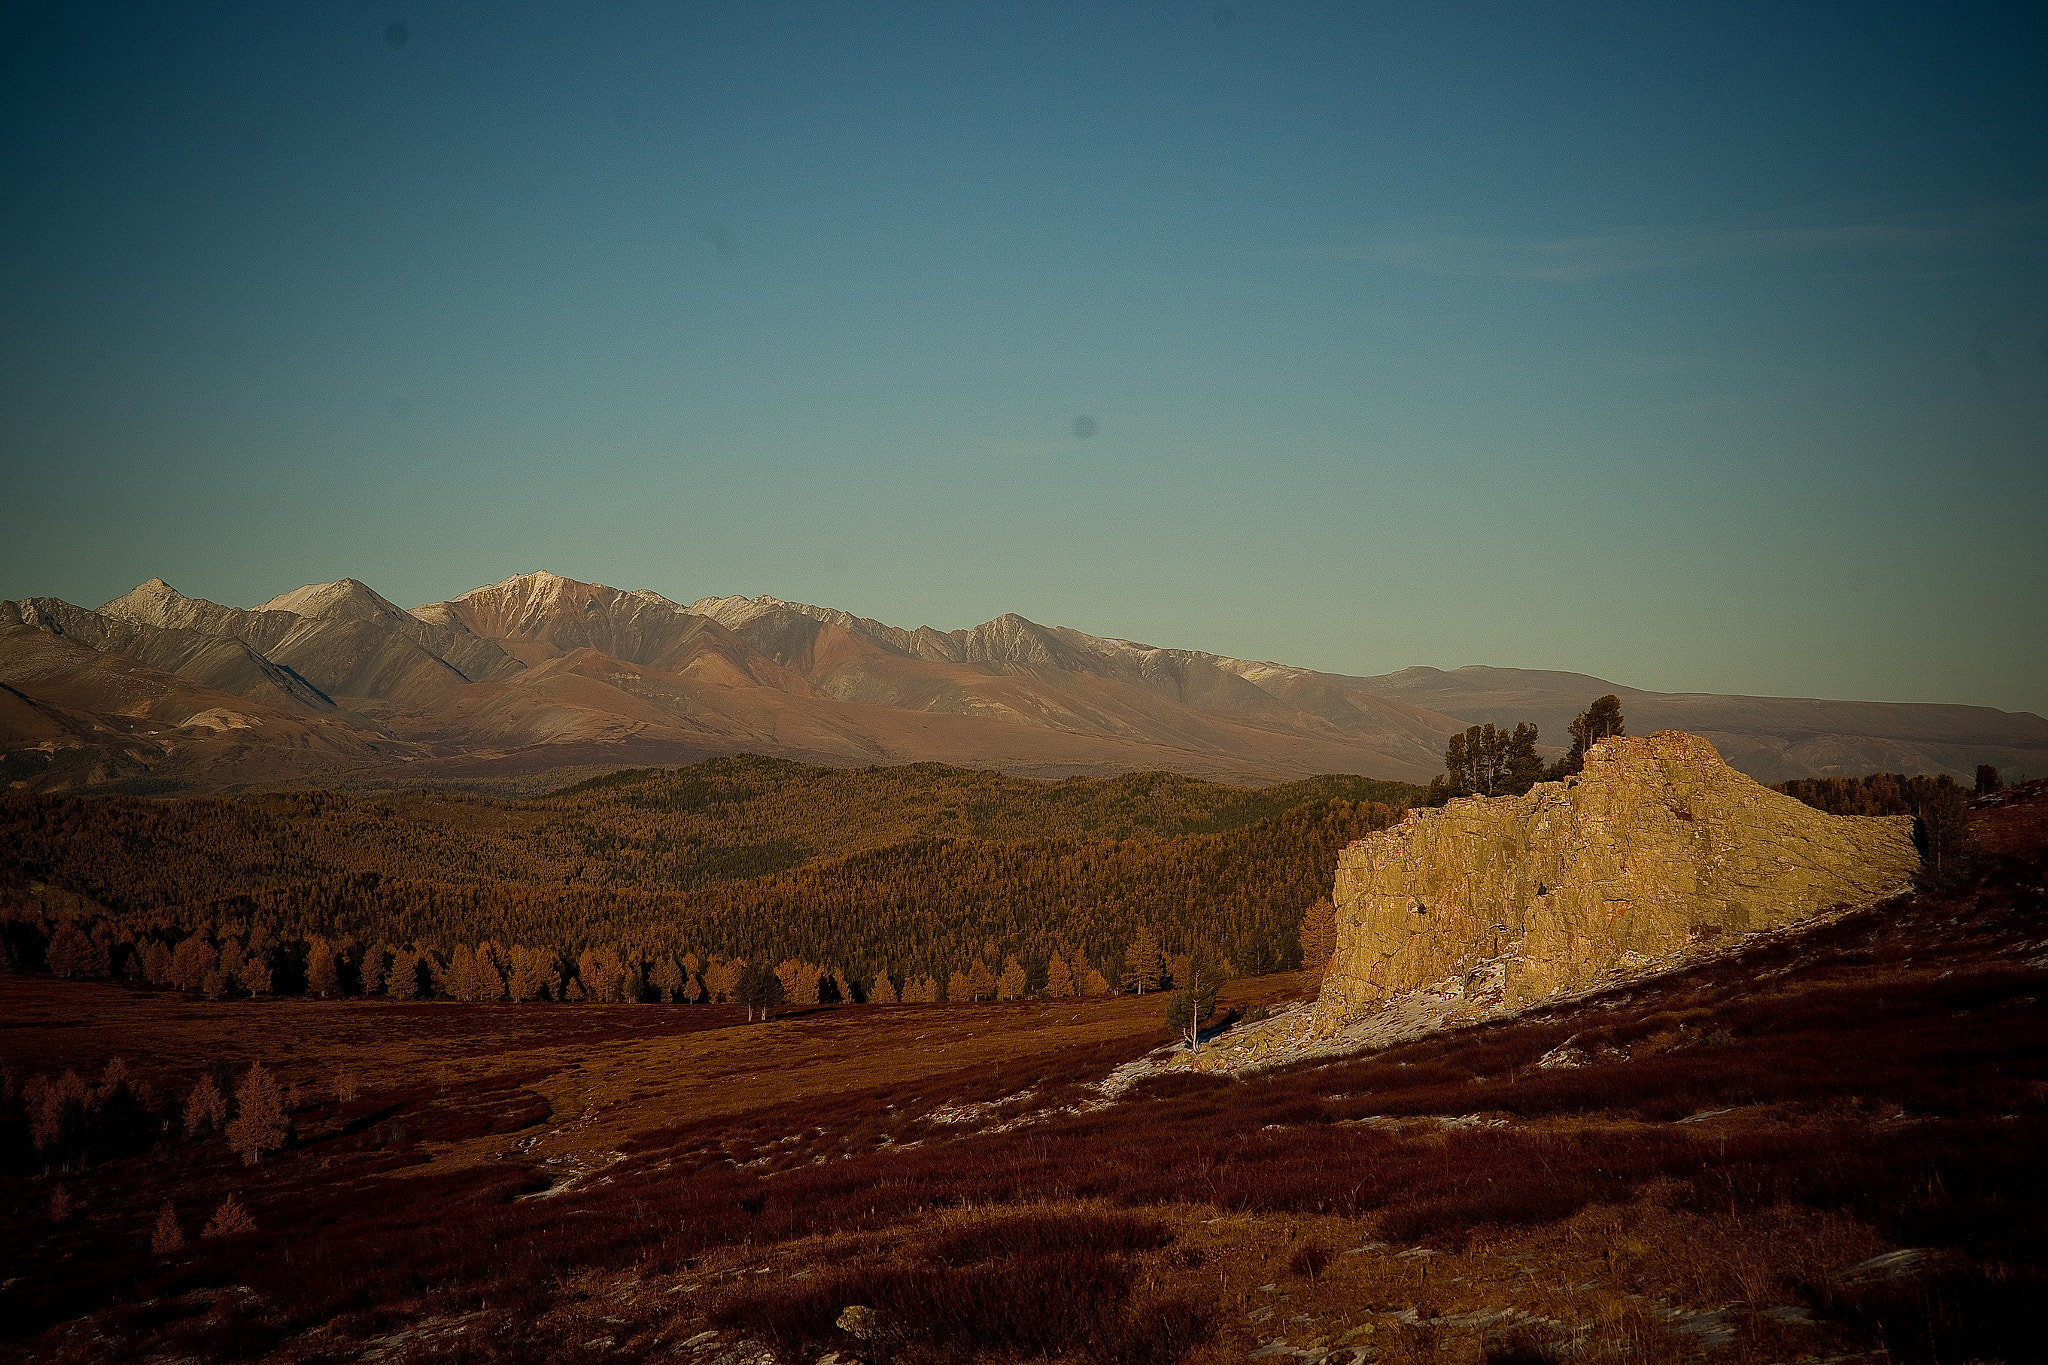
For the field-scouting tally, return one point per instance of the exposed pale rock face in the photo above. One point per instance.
(1656, 846)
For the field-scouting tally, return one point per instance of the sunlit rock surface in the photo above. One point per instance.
(1656, 847)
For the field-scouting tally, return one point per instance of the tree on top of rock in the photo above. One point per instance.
(1601, 720)
(1487, 761)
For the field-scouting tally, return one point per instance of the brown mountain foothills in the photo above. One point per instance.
(525, 684)
(1817, 1143)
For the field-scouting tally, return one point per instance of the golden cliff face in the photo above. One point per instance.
(1657, 846)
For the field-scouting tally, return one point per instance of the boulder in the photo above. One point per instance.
(1657, 847)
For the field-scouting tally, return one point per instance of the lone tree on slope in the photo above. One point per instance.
(1195, 1001)
(259, 1126)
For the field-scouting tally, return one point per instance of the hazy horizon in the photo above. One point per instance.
(1694, 350)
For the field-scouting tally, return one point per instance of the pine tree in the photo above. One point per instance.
(229, 1220)
(1946, 841)
(167, 1236)
(1487, 761)
(1195, 1000)
(758, 988)
(1988, 780)
(1601, 720)
(259, 1126)
(1523, 768)
(376, 966)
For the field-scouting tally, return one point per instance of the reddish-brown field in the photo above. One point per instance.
(1715, 1173)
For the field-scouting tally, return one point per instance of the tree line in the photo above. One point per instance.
(919, 921)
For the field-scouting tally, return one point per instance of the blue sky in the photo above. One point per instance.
(1699, 347)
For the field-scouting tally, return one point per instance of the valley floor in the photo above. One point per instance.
(1828, 1149)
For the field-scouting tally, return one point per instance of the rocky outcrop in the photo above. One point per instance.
(1657, 846)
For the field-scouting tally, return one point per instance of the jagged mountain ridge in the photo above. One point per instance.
(541, 673)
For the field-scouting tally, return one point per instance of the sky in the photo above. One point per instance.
(1698, 347)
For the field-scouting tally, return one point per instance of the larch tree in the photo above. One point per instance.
(402, 980)
(205, 1109)
(192, 961)
(259, 1126)
(981, 982)
(1059, 977)
(166, 1237)
(1010, 985)
(230, 1219)
(668, 978)
(1318, 935)
(488, 978)
(1142, 960)
(69, 953)
(323, 973)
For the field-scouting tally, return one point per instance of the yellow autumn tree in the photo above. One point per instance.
(259, 1126)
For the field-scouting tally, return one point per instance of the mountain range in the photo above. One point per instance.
(540, 678)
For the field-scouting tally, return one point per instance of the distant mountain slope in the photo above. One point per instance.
(73, 715)
(542, 674)
(1770, 738)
